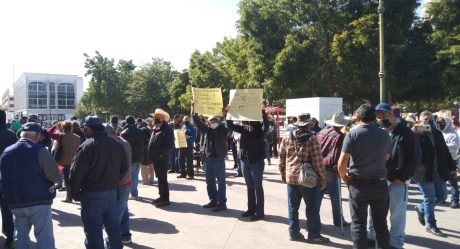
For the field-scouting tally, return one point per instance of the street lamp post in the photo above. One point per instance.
(381, 9)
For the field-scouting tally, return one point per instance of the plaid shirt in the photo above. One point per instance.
(331, 145)
(290, 161)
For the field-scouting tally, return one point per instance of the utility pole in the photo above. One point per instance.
(381, 9)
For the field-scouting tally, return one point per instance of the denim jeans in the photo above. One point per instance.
(253, 174)
(332, 188)
(174, 162)
(398, 209)
(39, 217)
(98, 210)
(123, 211)
(267, 152)
(312, 199)
(365, 193)
(434, 193)
(135, 168)
(454, 191)
(215, 168)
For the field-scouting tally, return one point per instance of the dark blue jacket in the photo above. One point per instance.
(191, 133)
(23, 181)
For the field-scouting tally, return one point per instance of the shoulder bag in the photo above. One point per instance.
(307, 176)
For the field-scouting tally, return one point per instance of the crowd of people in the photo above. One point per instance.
(376, 154)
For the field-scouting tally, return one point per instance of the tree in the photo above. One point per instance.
(177, 89)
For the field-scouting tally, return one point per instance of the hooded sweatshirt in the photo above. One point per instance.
(452, 139)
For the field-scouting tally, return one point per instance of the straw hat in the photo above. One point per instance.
(161, 113)
(337, 119)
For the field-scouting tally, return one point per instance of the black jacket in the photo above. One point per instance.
(161, 142)
(7, 138)
(405, 154)
(137, 139)
(444, 160)
(99, 164)
(215, 140)
(252, 144)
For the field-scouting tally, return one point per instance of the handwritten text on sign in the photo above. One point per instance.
(245, 104)
(208, 101)
(180, 139)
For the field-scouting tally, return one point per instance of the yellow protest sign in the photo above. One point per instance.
(208, 101)
(245, 104)
(180, 140)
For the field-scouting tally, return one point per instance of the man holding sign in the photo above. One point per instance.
(215, 150)
(186, 153)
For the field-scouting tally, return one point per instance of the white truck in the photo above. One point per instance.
(318, 107)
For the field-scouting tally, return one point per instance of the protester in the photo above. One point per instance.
(215, 150)
(45, 137)
(298, 147)
(435, 169)
(331, 139)
(368, 146)
(69, 142)
(7, 138)
(273, 137)
(28, 175)
(251, 158)
(147, 170)
(160, 146)
(114, 123)
(405, 156)
(137, 139)
(98, 166)
(291, 121)
(124, 188)
(186, 154)
(174, 157)
(236, 151)
(77, 131)
(453, 144)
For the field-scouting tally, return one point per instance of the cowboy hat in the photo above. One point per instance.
(337, 119)
(303, 120)
(160, 112)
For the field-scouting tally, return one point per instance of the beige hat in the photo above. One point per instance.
(160, 112)
(337, 119)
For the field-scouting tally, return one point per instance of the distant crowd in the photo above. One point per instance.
(376, 153)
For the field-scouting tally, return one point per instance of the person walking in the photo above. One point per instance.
(214, 146)
(7, 138)
(368, 146)
(331, 139)
(69, 142)
(160, 146)
(137, 139)
(28, 176)
(251, 157)
(97, 168)
(298, 147)
(405, 156)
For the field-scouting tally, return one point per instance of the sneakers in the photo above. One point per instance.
(298, 237)
(319, 240)
(126, 239)
(420, 216)
(211, 204)
(436, 231)
(454, 205)
(220, 207)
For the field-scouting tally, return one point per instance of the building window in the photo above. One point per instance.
(66, 96)
(52, 95)
(37, 95)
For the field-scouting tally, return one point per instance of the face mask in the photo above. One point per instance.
(214, 126)
(384, 123)
(157, 121)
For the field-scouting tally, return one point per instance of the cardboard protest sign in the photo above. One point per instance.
(245, 104)
(180, 140)
(208, 101)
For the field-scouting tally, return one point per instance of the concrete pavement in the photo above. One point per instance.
(186, 225)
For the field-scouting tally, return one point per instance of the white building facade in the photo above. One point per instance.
(49, 96)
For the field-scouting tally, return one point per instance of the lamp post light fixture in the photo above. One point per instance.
(380, 10)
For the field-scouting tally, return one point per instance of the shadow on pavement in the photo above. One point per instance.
(147, 225)
(66, 219)
(184, 207)
(428, 242)
(181, 187)
(137, 246)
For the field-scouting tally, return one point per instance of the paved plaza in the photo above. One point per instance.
(186, 225)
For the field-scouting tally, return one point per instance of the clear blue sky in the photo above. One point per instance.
(50, 36)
